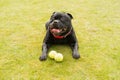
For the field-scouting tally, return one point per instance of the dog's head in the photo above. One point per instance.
(60, 23)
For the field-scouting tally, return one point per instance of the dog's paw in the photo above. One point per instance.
(76, 55)
(43, 58)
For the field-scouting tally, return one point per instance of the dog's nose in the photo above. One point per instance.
(56, 21)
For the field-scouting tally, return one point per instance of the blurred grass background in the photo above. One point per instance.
(22, 30)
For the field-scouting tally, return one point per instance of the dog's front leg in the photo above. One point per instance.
(44, 52)
(75, 52)
(45, 47)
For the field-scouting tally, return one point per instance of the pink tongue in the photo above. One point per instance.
(55, 30)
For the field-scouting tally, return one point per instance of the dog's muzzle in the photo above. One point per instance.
(56, 32)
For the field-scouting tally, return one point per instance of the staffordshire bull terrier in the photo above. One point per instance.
(60, 31)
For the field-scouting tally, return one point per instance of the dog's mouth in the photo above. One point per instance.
(57, 32)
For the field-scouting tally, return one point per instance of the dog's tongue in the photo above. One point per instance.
(55, 30)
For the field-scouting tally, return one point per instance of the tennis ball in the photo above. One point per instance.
(52, 54)
(58, 57)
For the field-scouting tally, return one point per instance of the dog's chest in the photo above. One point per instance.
(60, 41)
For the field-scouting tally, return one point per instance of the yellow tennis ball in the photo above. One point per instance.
(52, 54)
(58, 57)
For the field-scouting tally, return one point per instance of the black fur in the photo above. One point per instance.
(60, 20)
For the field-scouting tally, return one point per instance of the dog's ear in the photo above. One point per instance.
(53, 12)
(52, 15)
(70, 15)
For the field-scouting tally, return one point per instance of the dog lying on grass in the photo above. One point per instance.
(60, 31)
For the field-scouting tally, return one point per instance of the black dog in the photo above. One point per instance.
(60, 31)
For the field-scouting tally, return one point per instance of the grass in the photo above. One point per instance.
(97, 26)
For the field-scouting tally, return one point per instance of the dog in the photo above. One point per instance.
(60, 31)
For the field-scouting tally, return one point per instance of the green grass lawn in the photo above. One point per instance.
(22, 30)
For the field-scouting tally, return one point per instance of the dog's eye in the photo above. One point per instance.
(55, 17)
(64, 29)
(62, 19)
